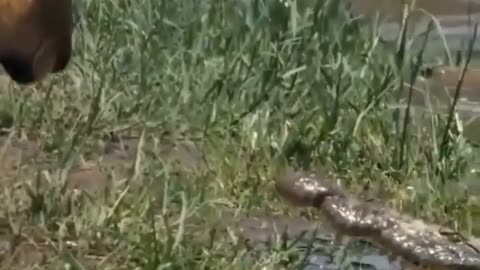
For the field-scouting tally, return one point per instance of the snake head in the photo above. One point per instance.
(305, 189)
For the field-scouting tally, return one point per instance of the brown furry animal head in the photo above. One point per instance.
(35, 37)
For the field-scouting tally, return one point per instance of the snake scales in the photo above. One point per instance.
(412, 240)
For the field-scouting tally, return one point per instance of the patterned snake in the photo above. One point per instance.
(412, 240)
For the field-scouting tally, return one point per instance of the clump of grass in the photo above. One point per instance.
(255, 86)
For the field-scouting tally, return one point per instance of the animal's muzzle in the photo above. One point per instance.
(26, 70)
(18, 68)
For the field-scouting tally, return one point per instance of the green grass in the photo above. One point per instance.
(254, 87)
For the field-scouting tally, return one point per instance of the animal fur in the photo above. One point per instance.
(35, 37)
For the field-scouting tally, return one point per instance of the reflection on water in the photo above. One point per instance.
(456, 20)
(452, 31)
(434, 95)
(393, 8)
(262, 230)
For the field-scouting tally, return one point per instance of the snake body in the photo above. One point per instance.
(410, 239)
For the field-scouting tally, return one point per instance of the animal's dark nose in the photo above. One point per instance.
(63, 56)
(19, 69)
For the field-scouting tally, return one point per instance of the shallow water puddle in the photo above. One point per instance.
(434, 94)
(262, 231)
(393, 8)
(455, 18)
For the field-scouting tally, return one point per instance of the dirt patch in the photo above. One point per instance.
(21, 159)
(89, 178)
